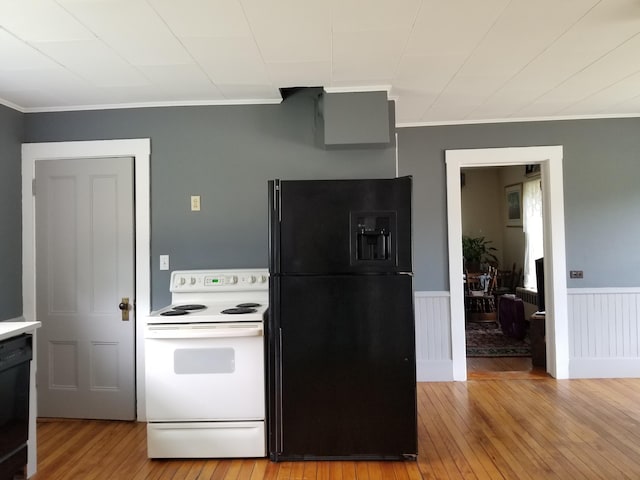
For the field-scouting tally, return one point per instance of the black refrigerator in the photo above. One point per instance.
(340, 331)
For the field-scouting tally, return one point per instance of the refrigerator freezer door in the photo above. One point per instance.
(341, 226)
(343, 379)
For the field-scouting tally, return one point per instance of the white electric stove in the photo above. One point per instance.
(205, 371)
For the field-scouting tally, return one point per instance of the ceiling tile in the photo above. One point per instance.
(41, 21)
(290, 30)
(411, 104)
(611, 98)
(95, 62)
(371, 55)
(601, 30)
(301, 74)
(132, 28)
(452, 27)
(203, 18)
(57, 78)
(250, 92)
(359, 15)
(514, 39)
(631, 106)
(33, 98)
(188, 78)
(17, 55)
(229, 60)
(616, 65)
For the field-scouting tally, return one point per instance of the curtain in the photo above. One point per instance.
(532, 225)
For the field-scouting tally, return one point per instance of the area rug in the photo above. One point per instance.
(485, 339)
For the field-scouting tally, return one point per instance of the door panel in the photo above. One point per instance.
(318, 224)
(84, 267)
(348, 367)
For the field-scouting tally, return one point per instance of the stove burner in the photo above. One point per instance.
(174, 313)
(248, 305)
(189, 307)
(238, 310)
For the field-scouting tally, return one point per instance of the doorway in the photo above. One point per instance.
(139, 150)
(550, 160)
(499, 247)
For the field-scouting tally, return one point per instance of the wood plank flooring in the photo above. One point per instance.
(480, 429)
(498, 364)
(503, 368)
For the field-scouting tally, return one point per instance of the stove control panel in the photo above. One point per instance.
(219, 280)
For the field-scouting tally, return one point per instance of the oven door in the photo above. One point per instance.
(209, 372)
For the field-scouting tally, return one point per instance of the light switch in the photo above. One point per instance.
(195, 203)
(164, 262)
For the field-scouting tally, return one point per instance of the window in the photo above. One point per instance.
(533, 228)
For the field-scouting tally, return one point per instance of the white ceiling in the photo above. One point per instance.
(442, 61)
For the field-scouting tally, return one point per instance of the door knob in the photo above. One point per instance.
(124, 308)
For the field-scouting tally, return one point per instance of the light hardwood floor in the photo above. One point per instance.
(480, 429)
(499, 364)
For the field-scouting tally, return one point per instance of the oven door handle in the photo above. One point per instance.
(203, 332)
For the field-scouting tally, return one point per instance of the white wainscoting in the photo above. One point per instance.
(604, 332)
(433, 337)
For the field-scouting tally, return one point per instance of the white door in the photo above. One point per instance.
(84, 268)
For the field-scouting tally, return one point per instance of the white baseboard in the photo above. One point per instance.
(434, 371)
(604, 368)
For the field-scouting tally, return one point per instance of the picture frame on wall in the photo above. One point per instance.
(513, 200)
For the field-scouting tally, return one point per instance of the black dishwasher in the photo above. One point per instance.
(15, 358)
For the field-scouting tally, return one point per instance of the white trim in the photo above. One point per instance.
(425, 294)
(140, 150)
(118, 106)
(11, 105)
(605, 368)
(516, 120)
(550, 159)
(434, 371)
(358, 89)
(602, 290)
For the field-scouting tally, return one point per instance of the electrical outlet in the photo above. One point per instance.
(195, 203)
(576, 274)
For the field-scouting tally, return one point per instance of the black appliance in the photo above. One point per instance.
(340, 333)
(15, 358)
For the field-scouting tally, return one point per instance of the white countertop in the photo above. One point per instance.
(12, 329)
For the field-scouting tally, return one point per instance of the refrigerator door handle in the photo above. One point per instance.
(276, 199)
(280, 445)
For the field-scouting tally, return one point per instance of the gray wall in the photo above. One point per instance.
(11, 133)
(226, 154)
(602, 195)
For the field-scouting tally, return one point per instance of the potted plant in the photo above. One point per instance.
(476, 251)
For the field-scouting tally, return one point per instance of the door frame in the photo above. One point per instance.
(140, 150)
(557, 324)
